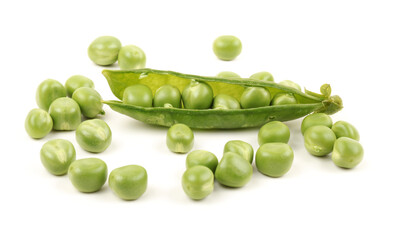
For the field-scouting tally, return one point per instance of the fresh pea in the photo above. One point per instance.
(128, 182)
(104, 50)
(138, 95)
(345, 129)
(283, 99)
(198, 182)
(131, 57)
(48, 91)
(202, 157)
(38, 123)
(274, 159)
(180, 138)
(291, 84)
(167, 94)
(57, 155)
(319, 140)
(316, 119)
(347, 152)
(275, 131)
(223, 101)
(263, 76)
(254, 97)
(227, 47)
(65, 113)
(77, 81)
(88, 174)
(197, 95)
(89, 101)
(228, 74)
(233, 170)
(94, 135)
(240, 147)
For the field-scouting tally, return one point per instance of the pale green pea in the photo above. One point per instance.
(283, 99)
(316, 119)
(66, 114)
(88, 174)
(319, 140)
(347, 152)
(38, 123)
(77, 81)
(345, 129)
(138, 95)
(202, 157)
(131, 57)
(104, 50)
(254, 97)
(89, 101)
(227, 47)
(233, 170)
(48, 91)
(167, 94)
(223, 101)
(197, 95)
(198, 182)
(263, 76)
(128, 182)
(275, 131)
(57, 155)
(274, 159)
(291, 84)
(94, 135)
(240, 147)
(228, 74)
(180, 138)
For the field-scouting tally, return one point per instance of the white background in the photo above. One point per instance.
(345, 43)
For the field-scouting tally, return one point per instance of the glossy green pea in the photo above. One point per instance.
(240, 147)
(345, 129)
(88, 174)
(283, 99)
(180, 138)
(202, 157)
(347, 152)
(319, 140)
(197, 95)
(227, 47)
(77, 81)
(223, 101)
(38, 123)
(198, 182)
(316, 119)
(233, 170)
(128, 182)
(89, 100)
(167, 94)
(57, 155)
(138, 95)
(104, 50)
(254, 97)
(263, 76)
(291, 84)
(275, 131)
(48, 91)
(94, 135)
(131, 57)
(65, 113)
(274, 159)
(228, 74)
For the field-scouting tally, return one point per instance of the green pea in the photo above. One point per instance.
(291, 84)
(254, 97)
(202, 157)
(274, 159)
(316, 119)
(233, 170)
(228, 74)
(263, 76)
(240, 147)
(77, 81)
(283, 99)
(223, 101)
(57, 155)
(319, 140)
(180, 138)
(94, 135)
(227, 47)
(275, 131)
(104, 50)
(347, 152)
(167, 94)
(198, 182)
(88, 174)
(65, 113)
(345, 129)
(131, 57)
(138, 95)
(38, 123)
(197, 95)
(128, 182)
(48, 91)
(89, 100)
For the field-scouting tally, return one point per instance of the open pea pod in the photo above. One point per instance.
(213, 118)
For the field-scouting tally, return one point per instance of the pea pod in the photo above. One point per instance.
(213, 118)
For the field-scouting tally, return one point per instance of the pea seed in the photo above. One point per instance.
(167, 94)
(57, 155)
(263, 76)
(345, 129)
(202, 157)
(198, 182)
(347, 152)
(138, 95)
(38, 123)
(89, 101)
(316, 119)
(274, 159)
(180, 138)
(319, 140)
(275, 131)
(233, 170)
(77, 81)
(254, 97)
(227, 47)
(48, 91)
(104, 50)
(197, 95)
(283, 99)
(240, 147)
(131, 57)
(128, 182)
(94, 135)
(65, 113)
(88, 174)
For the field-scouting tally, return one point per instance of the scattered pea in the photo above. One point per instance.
(89, 101)
(228, 74)
(198, 182)
(38, 123)
(104, 50)
(227, 47)
(347, 152)
(48, 91)
(345, 129)
(316, 119)
(202, 157)
(128, 182)
(319, 140)
(94, 135)
(57, 155)
(274, 159)
(131, 57)
(88, 174)
(263, 76)
(275, 131)
(77, 81)
(180, 138)
(233, 170)
(240, 147)
(65, 113)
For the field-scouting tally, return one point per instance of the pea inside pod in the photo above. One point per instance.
(263, 76)
(167, 94)
(197, 95)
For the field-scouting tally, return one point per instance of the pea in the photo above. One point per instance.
(227, 47)
(283, 99)
(131, 57)
(223, 101)
(319, 140)
(202, 157)
(167, 94)
(228, 74)
(263, 76)
(77, 81)
(197, 95)
(316, 119)
(180, 138)
(240, 147)
(291, 84)
(48, 91)
(128, 182)
(104, 50)
(347, 152)
(94, 135)
(254, 97)
(57, 155)
(88, 174)
(233, 170)
(138, 95)
(65, 113)
(198, 182)
(274, 159)
(275, 131)
(38, 123)
(89, 101)
(345, 129)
